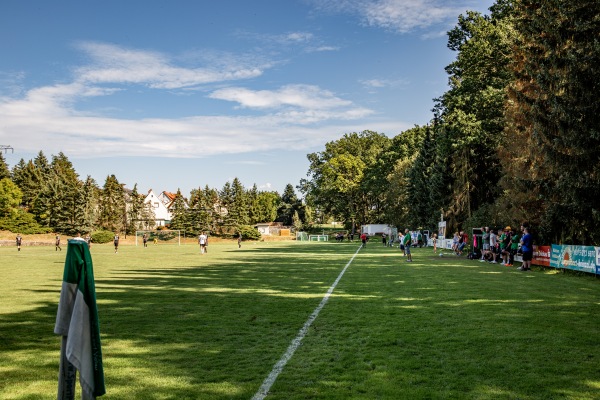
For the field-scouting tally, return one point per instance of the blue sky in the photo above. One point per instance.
(183, 94)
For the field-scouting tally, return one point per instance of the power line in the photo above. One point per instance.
(6, 148)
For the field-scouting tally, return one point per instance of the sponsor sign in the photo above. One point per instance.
(541, 255)
(578, 258)
(442, 229)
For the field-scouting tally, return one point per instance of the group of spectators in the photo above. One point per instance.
(500, 246)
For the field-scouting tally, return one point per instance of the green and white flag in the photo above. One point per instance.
(77, 322)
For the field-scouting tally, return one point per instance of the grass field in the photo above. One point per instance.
(178, 325)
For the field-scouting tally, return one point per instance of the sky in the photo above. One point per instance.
(183, 94)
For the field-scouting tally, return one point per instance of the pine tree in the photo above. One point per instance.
(238, 209)
(556, 114)
(180, 215)
(112, 206)
(4, 171)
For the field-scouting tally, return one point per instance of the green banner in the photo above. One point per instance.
(578, 258)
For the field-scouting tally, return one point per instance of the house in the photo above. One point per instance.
(167, 198)
(269, 228)
(161, 210)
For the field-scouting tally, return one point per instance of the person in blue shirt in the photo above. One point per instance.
(526, 249)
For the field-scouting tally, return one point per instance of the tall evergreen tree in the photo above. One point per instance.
(180, 215)
(111, 214)
(253, 205)
(29, 180)
(556, 114)
(4, 171)
(140, 215)
(238, 210)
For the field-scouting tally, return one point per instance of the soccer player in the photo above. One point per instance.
(57, 243)
(116, 242)
(19, 241)
(202, 240)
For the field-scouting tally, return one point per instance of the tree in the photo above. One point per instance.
(139, 213)
(470, 115)
(4, 171)
(555, 117)
(179, 210)
(112, 206)
(238, 208)
(10, 198)
(30, 181)
(343, 179)
(267, 204)
(203, 210)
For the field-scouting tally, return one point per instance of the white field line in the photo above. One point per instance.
(263, 391)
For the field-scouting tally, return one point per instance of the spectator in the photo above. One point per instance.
(504, 245)
(434, 238)
(515, 238)
(485, 238)
(493, 245)
(527, 249)
(455, 241)
(407, 243)
(463, 238)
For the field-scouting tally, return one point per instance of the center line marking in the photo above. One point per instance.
(263, 391)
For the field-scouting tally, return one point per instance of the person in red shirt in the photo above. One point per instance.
(363, 238)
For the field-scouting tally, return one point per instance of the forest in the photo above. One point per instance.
(515, 138)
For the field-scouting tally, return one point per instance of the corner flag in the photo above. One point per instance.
(77, 322)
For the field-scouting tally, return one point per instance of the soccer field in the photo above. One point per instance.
(179, 325)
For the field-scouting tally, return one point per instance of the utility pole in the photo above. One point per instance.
(6, 148)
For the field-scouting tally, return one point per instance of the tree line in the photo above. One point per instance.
(515, 138)
(43, 195)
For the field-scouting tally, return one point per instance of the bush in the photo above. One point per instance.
(22, 222)
(249, 232)
(102, 236)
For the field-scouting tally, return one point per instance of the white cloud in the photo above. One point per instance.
(383, 83)
(302, 96)
(115, 64)
(49, 118)
(398, 15)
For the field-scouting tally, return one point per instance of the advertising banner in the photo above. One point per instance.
(541, 255)
(578, 258)
(442, 229)
(597, 260)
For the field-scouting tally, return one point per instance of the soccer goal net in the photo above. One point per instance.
(318, 238)
(156, 237)
(302, 236)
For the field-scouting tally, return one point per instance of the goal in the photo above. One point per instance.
(158, 237)
(318, 238)
(302, 236)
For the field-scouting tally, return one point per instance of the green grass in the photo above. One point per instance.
(178, 325)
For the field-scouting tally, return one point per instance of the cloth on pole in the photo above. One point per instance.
(77, 321)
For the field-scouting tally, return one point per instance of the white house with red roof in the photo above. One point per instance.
(161, 210)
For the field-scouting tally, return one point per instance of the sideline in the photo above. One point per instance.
(263, 391)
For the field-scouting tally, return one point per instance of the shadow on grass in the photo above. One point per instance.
(451, 329)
